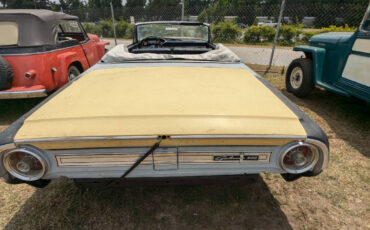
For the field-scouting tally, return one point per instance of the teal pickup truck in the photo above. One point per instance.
(338, 62)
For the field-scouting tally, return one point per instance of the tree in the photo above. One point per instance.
(219, 10)
(70, 4)
(163, 10)
(135, 8)
(135, 3)
(3, 3)
(195, 7)
(42, 4)
(216, 12)
(246, 10)
(104, 3)
(21, 4)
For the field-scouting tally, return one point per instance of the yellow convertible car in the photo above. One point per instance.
(170, 106)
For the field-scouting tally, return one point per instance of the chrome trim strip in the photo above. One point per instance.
(324, 149)
(23, 94)
(84, 139)
(99, 160)
(236, 137)
(165, 160)
(155, 137)
(43, 52)
(159, 159)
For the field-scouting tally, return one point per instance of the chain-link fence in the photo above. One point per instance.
(312, 15)
(256, 23)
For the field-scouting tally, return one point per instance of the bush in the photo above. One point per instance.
(91, 28)
(129, 31)
(226, 32)
(287, 34)
(124, 29)
(121, 28)
(106, 28)
(259, 33)
(253, 34)
(306, 35)
(203, 16)
(268, 33)
(346, 28)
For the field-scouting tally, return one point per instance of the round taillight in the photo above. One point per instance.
(299, 158)
(24, 164)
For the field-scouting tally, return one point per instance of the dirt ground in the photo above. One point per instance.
(339, 198)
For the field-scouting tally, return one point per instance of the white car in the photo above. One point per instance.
(267, 23)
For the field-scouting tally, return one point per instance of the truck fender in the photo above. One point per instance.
(318, 59)
(65, 60)
(318, 56)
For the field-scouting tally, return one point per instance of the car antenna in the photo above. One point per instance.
(141, 159)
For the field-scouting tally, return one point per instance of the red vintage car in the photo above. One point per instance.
(41, 50)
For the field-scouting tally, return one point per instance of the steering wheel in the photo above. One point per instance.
(160, 41)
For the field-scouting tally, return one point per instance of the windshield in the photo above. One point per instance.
(175, 31)
(366, 21)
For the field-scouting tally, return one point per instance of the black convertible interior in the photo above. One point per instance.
(159, 45)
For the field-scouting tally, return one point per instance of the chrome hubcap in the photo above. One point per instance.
(296, 77)
(71, 76)
(73, 73)
(23, 167)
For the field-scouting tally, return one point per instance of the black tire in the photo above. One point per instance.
(291, 177)
(299, 77)
(10, 179)
(6, 74)
(73, 72)
(39, 183)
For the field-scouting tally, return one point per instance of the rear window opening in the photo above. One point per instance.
(9, 34)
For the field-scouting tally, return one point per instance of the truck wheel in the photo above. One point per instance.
(299, 79)
(6, 74)
(73, 72)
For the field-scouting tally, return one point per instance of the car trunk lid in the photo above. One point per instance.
(158, 101)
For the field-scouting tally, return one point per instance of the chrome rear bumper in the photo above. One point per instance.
(22, 94)
(168, 161)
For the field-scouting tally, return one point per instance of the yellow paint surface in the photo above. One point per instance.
(163, 101)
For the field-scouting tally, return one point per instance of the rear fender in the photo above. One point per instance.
(65, 60)
(100, 47)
